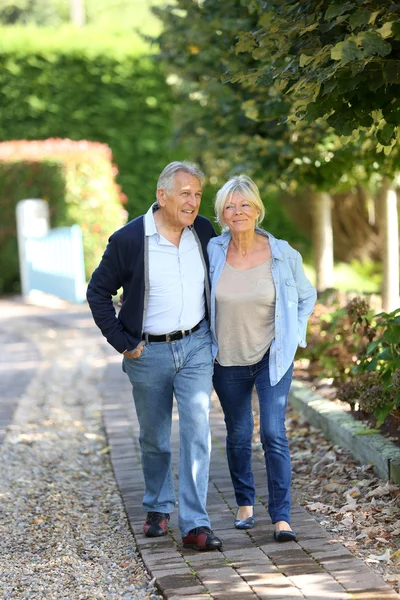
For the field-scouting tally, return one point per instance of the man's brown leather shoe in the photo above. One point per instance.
(201, 538)
(156, 524)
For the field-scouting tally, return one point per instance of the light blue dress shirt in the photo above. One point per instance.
(295, 299)
(176, 277)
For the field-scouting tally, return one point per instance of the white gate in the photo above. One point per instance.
(51, 260)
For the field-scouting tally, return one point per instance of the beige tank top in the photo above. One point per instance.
(245, 314)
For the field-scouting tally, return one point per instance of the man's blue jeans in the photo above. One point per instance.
(184, 369)
(234, 386)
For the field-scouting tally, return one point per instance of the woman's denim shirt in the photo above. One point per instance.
(295, 299)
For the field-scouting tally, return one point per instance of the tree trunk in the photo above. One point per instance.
(77, 12)
(390, 244)
(323, 240)
(355, 228)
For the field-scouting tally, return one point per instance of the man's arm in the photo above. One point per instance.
(104, 284)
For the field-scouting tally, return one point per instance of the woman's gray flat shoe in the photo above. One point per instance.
(245, 523)
(285, 536)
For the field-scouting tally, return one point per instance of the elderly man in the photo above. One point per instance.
(160, 260)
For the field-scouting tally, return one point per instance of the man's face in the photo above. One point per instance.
(180, 206)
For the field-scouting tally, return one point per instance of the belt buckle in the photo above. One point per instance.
(183, 332)
(168, 337)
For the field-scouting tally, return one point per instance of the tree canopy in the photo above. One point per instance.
(336, 60)
(238, 112)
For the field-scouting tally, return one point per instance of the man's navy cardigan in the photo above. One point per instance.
(122, 265)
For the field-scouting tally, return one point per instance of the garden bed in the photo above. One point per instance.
(390, 428)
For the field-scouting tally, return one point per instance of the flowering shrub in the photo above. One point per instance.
(360, 351)
(77, 179)
(338, 332)
(382, 355)
(365, 390)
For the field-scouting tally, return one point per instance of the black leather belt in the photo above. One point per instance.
(170, 337)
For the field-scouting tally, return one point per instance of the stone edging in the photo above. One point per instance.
(341, 427)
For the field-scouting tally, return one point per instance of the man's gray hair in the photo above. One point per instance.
(166, 179)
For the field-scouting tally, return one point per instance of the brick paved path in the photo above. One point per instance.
(251, 564)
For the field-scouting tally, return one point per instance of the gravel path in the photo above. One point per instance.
(63, 531)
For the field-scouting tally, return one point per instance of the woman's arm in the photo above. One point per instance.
(307, 297)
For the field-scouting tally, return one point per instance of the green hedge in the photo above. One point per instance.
(88, 84)
(77, 179)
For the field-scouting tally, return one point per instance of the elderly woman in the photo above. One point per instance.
(260, 304)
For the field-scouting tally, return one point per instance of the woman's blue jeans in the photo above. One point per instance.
(234, 386)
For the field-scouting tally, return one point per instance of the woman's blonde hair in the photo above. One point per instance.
(243, 185)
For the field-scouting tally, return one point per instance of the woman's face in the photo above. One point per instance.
(239, 214)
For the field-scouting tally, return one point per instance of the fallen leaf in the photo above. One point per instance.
(350, 543)
(94, 436)
(319, 506)
(352, 505)
(395, 557)
(385, 557)
(347, 521)
(381, 490)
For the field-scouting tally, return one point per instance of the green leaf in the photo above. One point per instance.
(342, 125)
(348, 83)
(250, 110)
(372, 365)
(313, 111)
(386, 354)
(367, 432)
(373, 44)
(246, 43)
(309, 28)
(335, 10)
(381, 412)
(373, 17)
(359, 18)
(371, 347)
(392, 334)
(337, 51)
(329, 86)
(265, 19)
(305, 60)
(385, 135)
(366, 121)
(386, 30)
(396, 29)
(376, 80)
(391, 71)
(346, 52)
(381, 314)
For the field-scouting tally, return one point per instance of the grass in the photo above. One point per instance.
(135, 16)
(348, 278)
(120, 25)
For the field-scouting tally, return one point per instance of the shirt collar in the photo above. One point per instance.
(149, 223)
(225, 238)
(150, 227)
